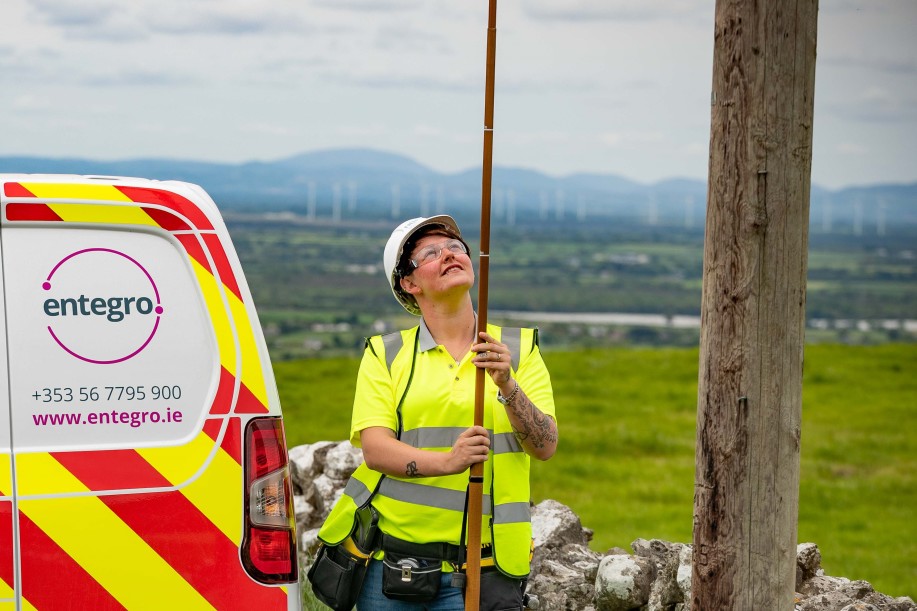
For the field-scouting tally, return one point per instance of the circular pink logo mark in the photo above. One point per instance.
(103, 305)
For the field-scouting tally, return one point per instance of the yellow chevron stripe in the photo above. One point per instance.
(101, 192)
(6, 592)
(6, 475)
(217, 492)
(107, 214)
(221, 324)
(252, 375)
(10, 605)
(101, 543)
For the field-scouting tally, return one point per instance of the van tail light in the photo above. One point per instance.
(269, 541)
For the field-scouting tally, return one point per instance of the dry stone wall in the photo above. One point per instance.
(566, 574)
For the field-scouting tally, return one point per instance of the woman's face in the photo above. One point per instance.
(443, 266)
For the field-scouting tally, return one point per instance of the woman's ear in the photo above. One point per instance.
(408, 285)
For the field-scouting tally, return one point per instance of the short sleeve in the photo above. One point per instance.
(374, 399)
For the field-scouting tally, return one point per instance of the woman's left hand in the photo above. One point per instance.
(493, 357)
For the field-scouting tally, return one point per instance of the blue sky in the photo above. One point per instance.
(582, 85)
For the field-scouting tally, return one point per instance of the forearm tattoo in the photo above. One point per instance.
(534, 425)
(411, 470)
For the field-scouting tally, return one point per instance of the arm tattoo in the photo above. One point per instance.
(534, 425)
(411, 470)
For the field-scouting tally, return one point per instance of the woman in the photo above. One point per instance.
(413, 403)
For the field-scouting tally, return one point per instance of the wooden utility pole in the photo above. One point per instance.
(746, 492)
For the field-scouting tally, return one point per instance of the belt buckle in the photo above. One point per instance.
(405, 572)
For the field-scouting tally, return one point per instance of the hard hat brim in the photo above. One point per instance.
(394, 250)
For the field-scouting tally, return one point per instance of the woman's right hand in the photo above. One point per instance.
(471, 447)
(384, 453)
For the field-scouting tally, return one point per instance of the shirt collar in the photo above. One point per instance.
(426, 342)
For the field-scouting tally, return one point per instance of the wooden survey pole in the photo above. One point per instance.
(746, 492)
(476, 475)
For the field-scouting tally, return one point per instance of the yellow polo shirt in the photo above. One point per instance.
(440, 398)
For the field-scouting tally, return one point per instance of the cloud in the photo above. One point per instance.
(30, 103)
(369, 5)
(224, 18)
(843, 7)
(896, 66)
(370, 132)
(262, 127)
(95, 20)
(138, 78)
(75, 13)
(433, 80)
(631, 138)
(401, 81)
(403, 38)
(852, 149)
(131, 21)
(619, 10)
(875, 105)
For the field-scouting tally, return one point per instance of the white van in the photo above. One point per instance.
(142, 456)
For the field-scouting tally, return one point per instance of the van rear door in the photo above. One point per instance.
(7, 559)
(147, 466)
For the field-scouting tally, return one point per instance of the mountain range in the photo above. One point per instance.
(338, 181)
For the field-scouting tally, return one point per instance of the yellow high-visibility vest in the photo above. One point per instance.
(430, 509)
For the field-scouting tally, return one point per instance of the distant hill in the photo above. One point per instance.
(371, 183)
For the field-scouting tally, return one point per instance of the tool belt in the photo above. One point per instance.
(412, 572)
(446, 552)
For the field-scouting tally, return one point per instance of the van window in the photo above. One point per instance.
(109, 342)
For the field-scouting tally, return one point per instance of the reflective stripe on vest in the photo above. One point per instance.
(446, 436)
(393, 343)
(428, 496)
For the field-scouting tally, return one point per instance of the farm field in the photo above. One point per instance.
(625, 463)
(320, 288)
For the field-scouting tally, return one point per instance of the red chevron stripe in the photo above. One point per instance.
(15, 189)
(183, 536)
(248, 403)
(194, 249)
(170, 200)
(212, 427)
(6, 542)
(222, 263)
(111, 469)
(222, 402)
(215, 248)
(51, 579)
(167, 220)
(30, 212)
(171, 525)
(232, 440)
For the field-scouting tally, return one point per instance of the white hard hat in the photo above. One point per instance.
(394, 249)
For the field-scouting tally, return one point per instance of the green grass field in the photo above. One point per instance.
(625, 463)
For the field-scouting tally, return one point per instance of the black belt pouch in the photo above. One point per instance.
(337, 574)
(337, 577)
(407, 573)
(501, 593)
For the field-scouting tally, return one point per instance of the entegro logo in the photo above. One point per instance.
(103, 306)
